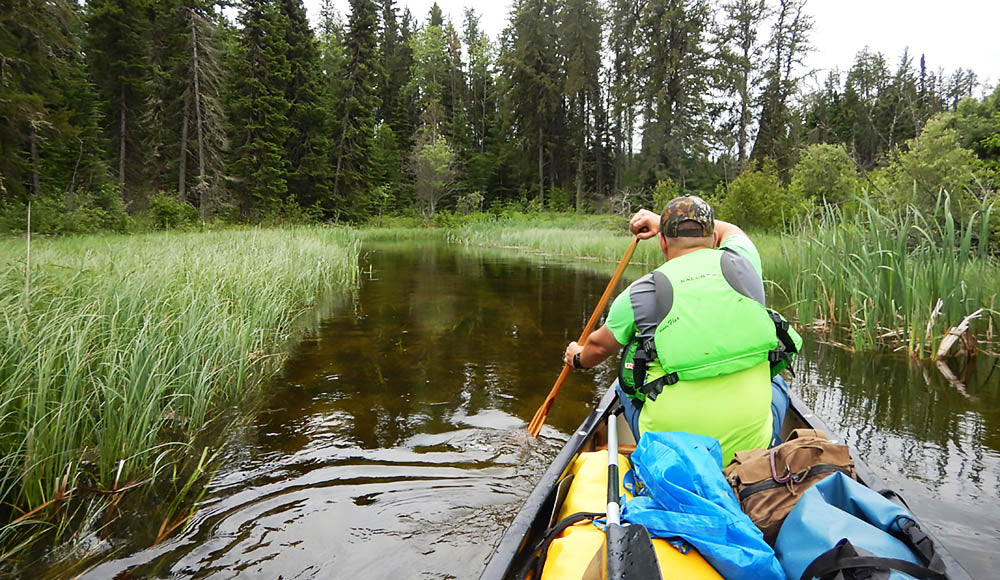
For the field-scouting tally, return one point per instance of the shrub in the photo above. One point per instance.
(935, 162)
(69, 213)
(825, 174)
(166, 212)
(665, 190)
(559, 199)
(470, 203)
(380, 199)
(446, 219)
(757, 199)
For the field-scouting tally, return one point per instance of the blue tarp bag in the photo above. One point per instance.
(680, 493)
(841, 529)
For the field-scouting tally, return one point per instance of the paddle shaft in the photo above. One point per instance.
(614, 509)
(536, 422)
(629, 552)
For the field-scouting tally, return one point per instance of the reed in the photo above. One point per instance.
(130, 345)
(872, 275)
(879, 276)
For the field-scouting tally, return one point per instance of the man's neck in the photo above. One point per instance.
(672, 253)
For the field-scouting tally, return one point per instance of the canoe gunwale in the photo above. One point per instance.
(532, 519)
(507, 557)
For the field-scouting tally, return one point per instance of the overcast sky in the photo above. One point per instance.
(952, 33)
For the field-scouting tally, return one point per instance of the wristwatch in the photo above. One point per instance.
(576, 361)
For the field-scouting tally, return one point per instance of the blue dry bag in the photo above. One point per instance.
(841, 529)
(681, 493)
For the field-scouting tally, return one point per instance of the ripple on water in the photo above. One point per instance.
(326, 508)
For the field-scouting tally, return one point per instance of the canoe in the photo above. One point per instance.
(539, 512)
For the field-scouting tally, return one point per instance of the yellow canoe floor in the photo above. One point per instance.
(571, 553)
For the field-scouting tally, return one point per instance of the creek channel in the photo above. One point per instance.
(393, 444)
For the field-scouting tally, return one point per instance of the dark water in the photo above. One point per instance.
(393, 446)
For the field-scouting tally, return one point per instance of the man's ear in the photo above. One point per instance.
(663, 244)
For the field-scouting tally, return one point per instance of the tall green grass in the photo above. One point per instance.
(125, 347)
(569, 235)
(874, 275)
(879, 275)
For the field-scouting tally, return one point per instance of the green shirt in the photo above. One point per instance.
(734, 408)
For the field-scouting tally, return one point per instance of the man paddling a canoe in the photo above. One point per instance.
(700, 334)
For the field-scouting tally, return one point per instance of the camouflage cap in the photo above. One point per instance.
(691, 209)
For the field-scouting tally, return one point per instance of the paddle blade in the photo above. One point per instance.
(630, 554)
(535, 427)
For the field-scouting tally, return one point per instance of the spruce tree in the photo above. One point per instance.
(49, 139)
(580, 29)
(787, 46)
(406, 115)
(204, 112)
(167, 101)
(333, 58)
(532, 104)
(308, 146)
(455, 97)
(676, 75)
(741, 60)
(435, 17)
(73, 155)
(116, 44)
(258, 111)
(481, 169)
(394, 134)
(355, 129)
(623, 90)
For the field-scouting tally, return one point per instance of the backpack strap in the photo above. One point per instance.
(786, 349)
(651, 297)
(920, 542)
(652, 389)
(844, 556)
(537, 564)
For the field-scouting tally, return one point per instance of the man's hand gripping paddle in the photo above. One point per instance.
(536, 422)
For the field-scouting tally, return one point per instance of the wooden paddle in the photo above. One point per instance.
(536, 422)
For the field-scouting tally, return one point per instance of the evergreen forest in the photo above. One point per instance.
(126, 359)
(131, 114)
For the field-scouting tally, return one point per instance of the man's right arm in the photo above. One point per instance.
(646, 224)
(725, 230)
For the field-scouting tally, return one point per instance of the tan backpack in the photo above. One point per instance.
(768, 482)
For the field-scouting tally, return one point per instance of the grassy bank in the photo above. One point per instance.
(569, 235)
(121, 348)
(869, 279)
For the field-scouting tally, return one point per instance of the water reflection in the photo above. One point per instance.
(938, 443)
(394, 444)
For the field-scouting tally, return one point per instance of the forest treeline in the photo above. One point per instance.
(180, 110)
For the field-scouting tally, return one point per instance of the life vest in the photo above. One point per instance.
(702, 315)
